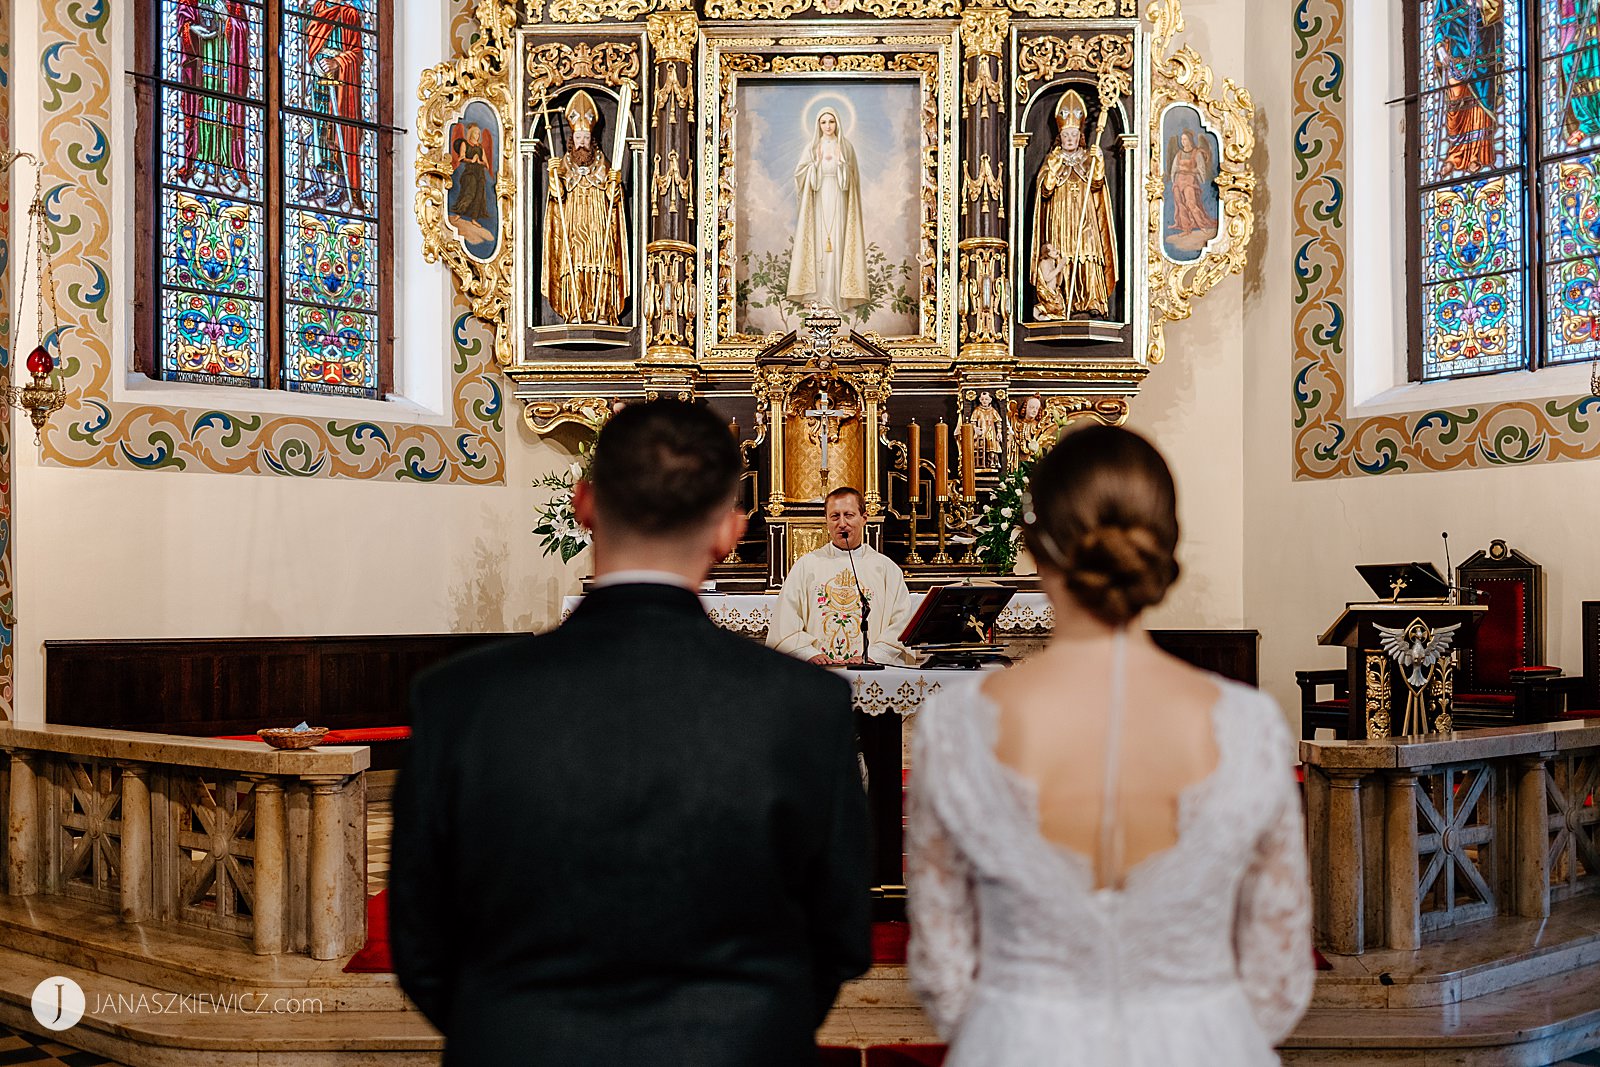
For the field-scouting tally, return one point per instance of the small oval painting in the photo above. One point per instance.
(1190, 208)
(472, 209)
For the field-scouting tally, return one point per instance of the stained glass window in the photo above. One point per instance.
(1506, 257)
(269, 206)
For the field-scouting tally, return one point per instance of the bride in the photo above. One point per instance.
(829, 264)
(1106, 857)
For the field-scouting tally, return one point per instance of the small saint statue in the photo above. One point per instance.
(1074, 246)
(585, 236)
(986, 431)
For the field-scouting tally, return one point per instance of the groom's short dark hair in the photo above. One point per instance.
(662, 466)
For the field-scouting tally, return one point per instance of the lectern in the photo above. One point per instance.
(1400, 658)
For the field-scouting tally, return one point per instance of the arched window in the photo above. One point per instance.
(1505, 223)
(264, 235)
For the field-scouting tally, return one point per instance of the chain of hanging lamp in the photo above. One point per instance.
(43, 394)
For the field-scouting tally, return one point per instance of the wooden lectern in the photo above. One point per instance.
(1381, 686)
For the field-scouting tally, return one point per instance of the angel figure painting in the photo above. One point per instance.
(1190, 209)
(471, 208)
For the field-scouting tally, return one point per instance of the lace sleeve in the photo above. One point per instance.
(1272, 931)
(941, 904)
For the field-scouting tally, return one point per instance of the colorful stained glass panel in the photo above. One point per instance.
(331, 260)
(211, 243)
(1471, 128)
(331, 66)
(1572, 207)
(1572, 311)
(1472, 228)
(211, 144)
(1569, 41)
(367, 9)
(212, 338)
(329, 165)
(214, 46)
(330, 351)
(1472, 326)
(1465, 40)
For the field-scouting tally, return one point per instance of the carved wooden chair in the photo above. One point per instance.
(1331, 711)
(1506, 650)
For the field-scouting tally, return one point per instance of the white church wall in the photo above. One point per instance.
(1302, 539)
(122, 554)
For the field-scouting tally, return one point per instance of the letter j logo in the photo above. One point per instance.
(58, 1003)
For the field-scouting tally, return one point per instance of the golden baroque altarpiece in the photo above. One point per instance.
(898, 243)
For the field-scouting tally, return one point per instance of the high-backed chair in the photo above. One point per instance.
(1508, 643)
(1583, 698)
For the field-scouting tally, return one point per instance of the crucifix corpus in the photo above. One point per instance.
(823, 413)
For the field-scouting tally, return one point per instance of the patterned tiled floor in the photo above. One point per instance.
(20, 1048)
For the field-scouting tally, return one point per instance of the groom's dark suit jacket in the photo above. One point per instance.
(636, 840)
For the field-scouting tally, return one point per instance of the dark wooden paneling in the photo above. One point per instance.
(1230, 653)
(203, 687)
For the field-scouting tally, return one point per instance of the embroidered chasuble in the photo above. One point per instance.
(819, 610)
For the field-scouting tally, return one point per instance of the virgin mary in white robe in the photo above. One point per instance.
(829, 264)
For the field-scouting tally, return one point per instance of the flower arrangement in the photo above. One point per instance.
(1000, 526)
(558, 529)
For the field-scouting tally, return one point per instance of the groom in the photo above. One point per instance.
(639, 839)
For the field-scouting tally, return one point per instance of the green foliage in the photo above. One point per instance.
(1000, 525)
(766, 285)
(558, 530)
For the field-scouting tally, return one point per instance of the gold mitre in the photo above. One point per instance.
(1072, 109)
(581, 112)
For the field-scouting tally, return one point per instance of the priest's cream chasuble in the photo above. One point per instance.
(819, 610)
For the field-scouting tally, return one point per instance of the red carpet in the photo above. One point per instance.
(888, 940)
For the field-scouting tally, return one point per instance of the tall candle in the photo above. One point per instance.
(914, 436)
(969, 483)
(941, 461)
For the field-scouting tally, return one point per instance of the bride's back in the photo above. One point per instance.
(1054, 714)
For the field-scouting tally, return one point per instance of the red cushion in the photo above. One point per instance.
(361, 736)
(374, 956)
(1499, 644)
(1503, 700)
(905, 1055)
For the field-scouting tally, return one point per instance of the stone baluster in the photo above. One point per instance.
(983, 299)
(668, 287)
(325, 869)
(1346, 867)
(1531, 829)
(22, 825)
(138, 886)
(272, 865)
(1402, 908)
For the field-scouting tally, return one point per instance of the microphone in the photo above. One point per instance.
(866, 610)
(1449, 574)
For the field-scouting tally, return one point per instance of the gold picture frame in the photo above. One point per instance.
(924, 54)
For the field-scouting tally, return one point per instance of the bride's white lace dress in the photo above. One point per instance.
(1202, 957)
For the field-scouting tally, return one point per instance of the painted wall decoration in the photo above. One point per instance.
(1330, 441)
(828, 179)
(8, 584)
(472, 211)
(1191, 210)
(76, 66)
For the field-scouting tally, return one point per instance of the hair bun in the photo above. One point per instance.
(1118, 571)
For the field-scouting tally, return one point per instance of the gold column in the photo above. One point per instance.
(669, 268)
(983, 298)
(1378, 694)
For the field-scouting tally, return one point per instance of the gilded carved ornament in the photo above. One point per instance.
(756, 10)
(983, 30)
(1181, 77)
(673, 35)
(549, 66)
(481, 74)
(597, 10)
(1067, 9)
(673, 94)
(1042, 59)
(543, 416)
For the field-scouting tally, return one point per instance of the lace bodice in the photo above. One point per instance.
(1018, 958)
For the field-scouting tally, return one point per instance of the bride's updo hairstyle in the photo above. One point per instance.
(1101, 509)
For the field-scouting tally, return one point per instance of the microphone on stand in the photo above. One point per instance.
(1449, 574)
(866, 663)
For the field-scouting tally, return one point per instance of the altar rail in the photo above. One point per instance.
(232, 837)
(1412, 835)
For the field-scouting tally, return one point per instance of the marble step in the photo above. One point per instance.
(1528, 1025)
(1469, 961)
(180, 959)
(145, 1026)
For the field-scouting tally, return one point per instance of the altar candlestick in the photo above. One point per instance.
(941, 461)
(914, 436)
(969, 484)
(733, 428)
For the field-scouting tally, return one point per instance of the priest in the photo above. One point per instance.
(818, 616)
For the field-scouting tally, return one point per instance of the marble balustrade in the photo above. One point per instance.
(230, 836)
(1409, 836)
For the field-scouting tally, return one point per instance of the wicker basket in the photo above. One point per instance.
(283, 737)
